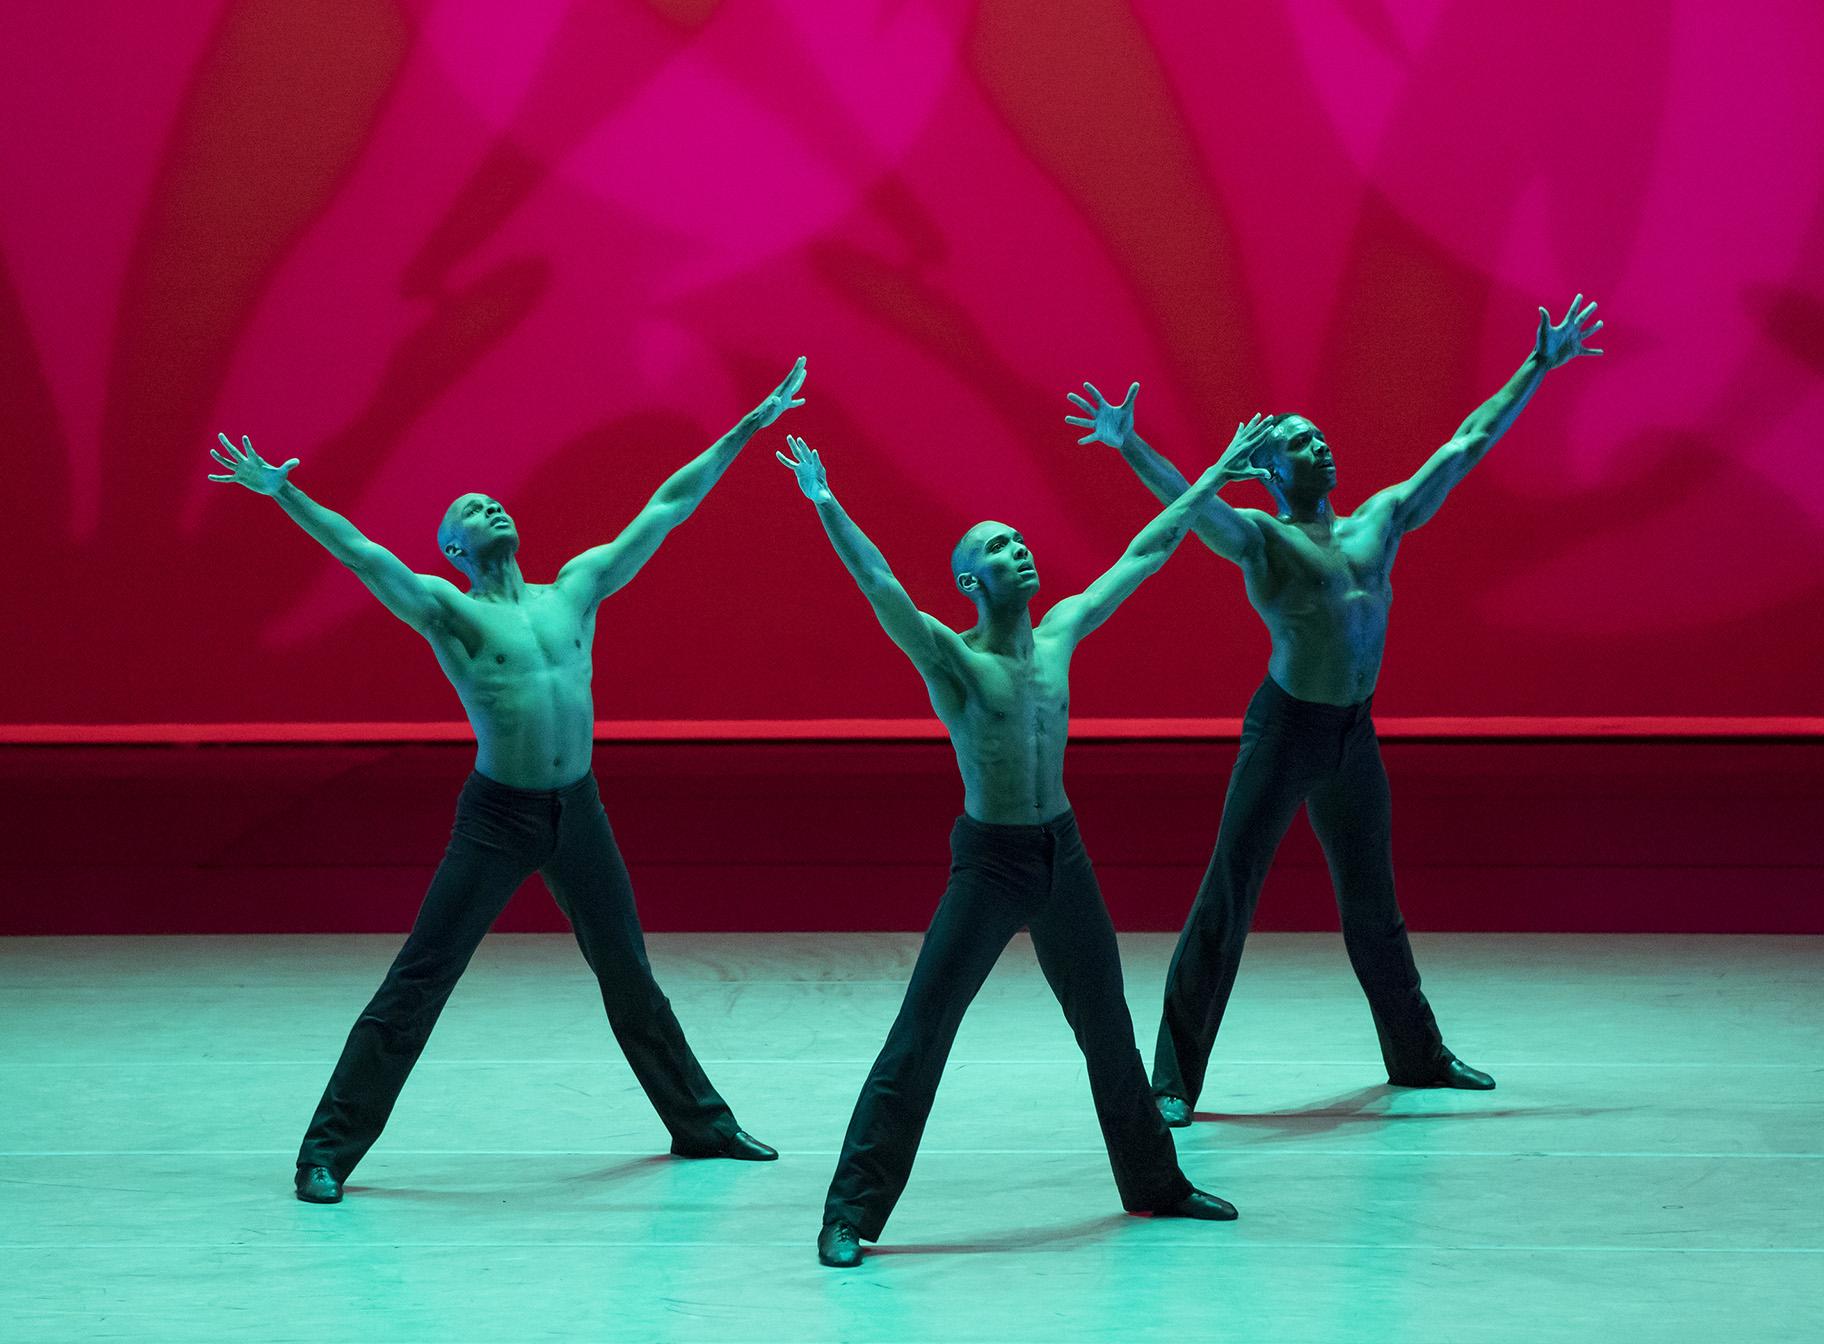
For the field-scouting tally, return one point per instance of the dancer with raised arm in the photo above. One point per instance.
(518, 655)
(1002, 689)
(1322, 584)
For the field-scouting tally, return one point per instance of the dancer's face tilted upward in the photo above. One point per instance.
(1299, 459)
(476, 528)
(993, 566)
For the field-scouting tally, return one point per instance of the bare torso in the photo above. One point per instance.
(523, 671)
(1009, 726)
(1324, 590)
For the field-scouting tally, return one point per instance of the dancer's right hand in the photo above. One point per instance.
(1558, 343)
(248, 468)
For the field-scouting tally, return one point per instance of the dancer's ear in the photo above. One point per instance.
(968, 583)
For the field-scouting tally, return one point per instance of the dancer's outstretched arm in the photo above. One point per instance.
(1075, 616)
(928, 642)
(1413, 501)
(422, 601)
(602, 570)
(1234, 534)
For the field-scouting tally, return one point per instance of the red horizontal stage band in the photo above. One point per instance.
(1481, 728)
(1605, 834)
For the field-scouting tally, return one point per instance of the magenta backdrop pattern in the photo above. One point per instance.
(550, 249)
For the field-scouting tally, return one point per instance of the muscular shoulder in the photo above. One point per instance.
(950, 645)
(448, 617)
(1274, 531)
(948, 667)
(1378, 515)
(446, 598)
(1258, 518)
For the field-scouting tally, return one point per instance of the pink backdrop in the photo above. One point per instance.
(428, 248)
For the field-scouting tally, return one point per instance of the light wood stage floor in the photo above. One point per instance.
(1652, 1164)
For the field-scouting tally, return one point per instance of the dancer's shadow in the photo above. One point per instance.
(619, 1171)
(420, 1195)
(608, 1175)
(1372, 1105)
(1055, 1238)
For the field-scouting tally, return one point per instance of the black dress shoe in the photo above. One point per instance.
(838, 1246)
(316, 1185)
(1175, 1111)
(741, 1146)
(1201, 1205)
(1454, 1074)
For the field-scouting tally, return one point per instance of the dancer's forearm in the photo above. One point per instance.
(1156, 472)
(1216, 524)
(1145, 555)
(857, 551)
(1491, 419)
(411, 597)
(1156, 541)
(690, 484)
(329, 529)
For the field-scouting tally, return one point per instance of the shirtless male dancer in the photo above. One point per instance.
(518, 655)
(1002, 689)
(1322, 583)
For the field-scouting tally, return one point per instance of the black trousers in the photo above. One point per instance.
(502, 835)
(1003, 878)
(1327, 758)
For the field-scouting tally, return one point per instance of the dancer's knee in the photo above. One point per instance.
(403, 1022)
(633, 998)
(916, 1046)
(412, 997)
(1377, 916)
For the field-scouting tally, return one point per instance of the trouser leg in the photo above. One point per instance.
(1352, 815)
(973, 925)
(1265, 791)
(471, 886)
(1075, 943)
(589, 881)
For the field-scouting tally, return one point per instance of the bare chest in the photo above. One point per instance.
(540, 636)
(1021, 695)
(1350, 564)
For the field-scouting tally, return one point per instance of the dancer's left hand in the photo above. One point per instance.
(808, 468)
(1105, 423)
(780, 399)
(1237, 462)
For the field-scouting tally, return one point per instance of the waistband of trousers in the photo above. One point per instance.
(1313, 711)
(487, 787)
(1065, 823)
